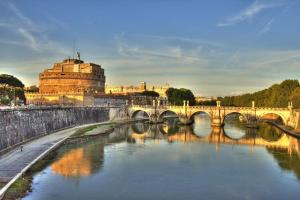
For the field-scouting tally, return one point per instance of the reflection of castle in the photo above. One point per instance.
(73, 164)
(125, 90)
(80, 161)
(71, 81)
(86, 156)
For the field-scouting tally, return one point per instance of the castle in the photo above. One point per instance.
(71, 81)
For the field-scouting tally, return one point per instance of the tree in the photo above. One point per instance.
(150, 93)
(295, 97)
(6, 79)
(177, 96)
(11, 88)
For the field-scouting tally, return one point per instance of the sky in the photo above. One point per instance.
(213, 47)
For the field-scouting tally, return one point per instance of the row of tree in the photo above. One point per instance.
(278, 95)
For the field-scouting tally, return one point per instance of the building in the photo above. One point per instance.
(200, 99)
(71, 81)
(126, 90)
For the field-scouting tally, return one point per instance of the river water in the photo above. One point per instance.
(141, 161)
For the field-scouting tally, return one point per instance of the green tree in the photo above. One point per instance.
(177, 96)
(6, 79)
(11, 88)
(150, 93)
(295, 97)
(277, 95)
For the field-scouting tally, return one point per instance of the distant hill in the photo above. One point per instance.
(278, 95)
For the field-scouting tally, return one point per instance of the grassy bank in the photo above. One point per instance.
(94, 130)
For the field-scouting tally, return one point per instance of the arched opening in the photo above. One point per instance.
(235, 125)
(140, 115)
(272, 117)
(201, 123)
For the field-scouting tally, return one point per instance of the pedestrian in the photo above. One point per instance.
(21, 147)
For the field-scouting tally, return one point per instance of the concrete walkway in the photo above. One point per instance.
(15, 161)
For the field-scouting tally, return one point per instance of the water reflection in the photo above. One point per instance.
(167, 161)
(269, 133)
(201, 125)
(74, 163)
(235, 126)
(85, 157)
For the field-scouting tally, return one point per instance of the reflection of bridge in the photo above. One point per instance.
(217, 114)
(185, 134)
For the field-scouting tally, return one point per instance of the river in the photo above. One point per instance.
(142, 161)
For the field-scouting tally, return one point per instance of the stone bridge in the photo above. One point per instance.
(217, 114)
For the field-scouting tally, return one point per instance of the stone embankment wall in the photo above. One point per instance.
(118, 113)
(20, 125)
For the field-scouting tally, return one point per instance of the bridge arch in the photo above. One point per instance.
(245, 117)
(235, 129)
(134, 113)
(200, 112)
(271, 114)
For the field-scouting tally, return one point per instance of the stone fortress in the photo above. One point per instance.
(71, 81)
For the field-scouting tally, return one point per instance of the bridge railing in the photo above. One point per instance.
(210, 107)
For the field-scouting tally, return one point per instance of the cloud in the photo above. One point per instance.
(5, 25)
(252, 69)
(20, 15)
(254, 9)
(184, 39)
(32, 42)
(162, 53)
(29, 34)
(267, 27)
(271, 59)
(24, 27)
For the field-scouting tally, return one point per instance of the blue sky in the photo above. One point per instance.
(213, 47)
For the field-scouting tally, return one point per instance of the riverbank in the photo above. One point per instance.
(38, 149)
